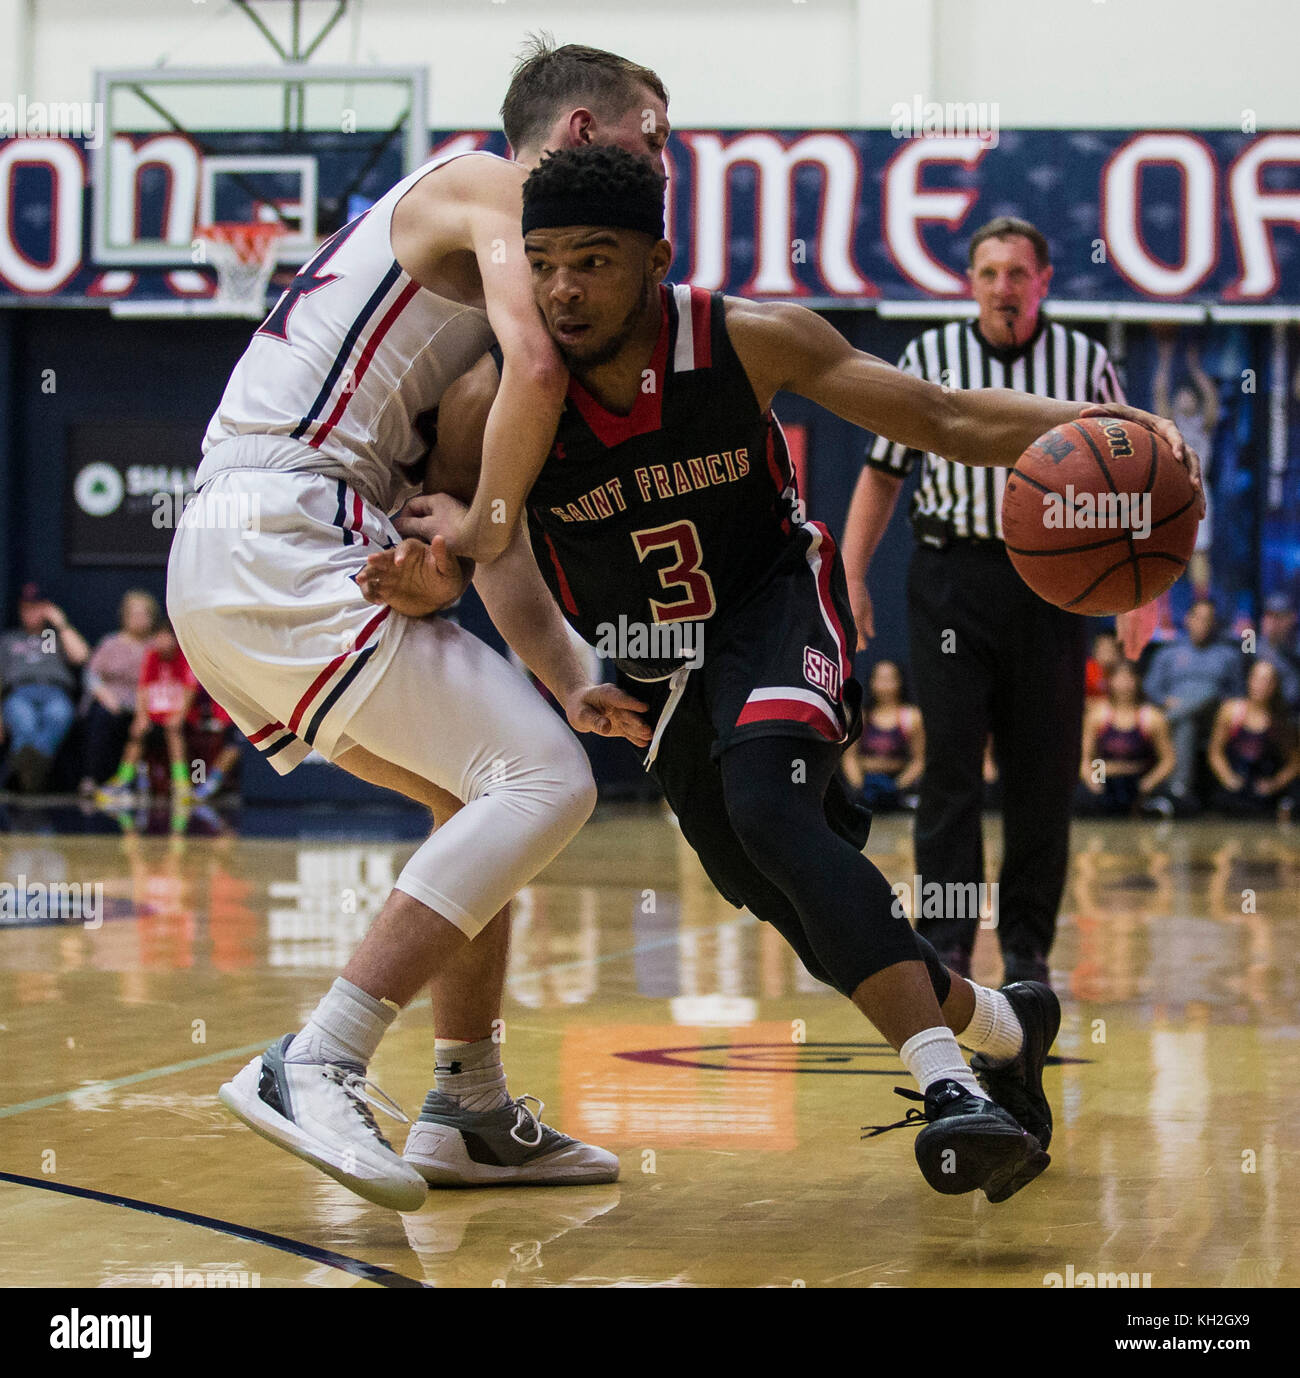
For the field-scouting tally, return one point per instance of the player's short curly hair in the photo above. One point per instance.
(549, 79)
(593, 169)
(597, 184)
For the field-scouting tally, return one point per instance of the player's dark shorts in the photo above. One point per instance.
(778, 666)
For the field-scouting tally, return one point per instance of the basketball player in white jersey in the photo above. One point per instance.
(323, 431)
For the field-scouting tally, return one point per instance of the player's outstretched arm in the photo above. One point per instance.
(790, 348)
(523, 611)
(521, 424)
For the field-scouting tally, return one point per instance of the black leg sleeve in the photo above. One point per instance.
(774, 789)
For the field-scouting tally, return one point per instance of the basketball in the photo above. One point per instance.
(1099, 517)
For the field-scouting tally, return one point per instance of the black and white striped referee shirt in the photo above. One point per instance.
(1056, 362)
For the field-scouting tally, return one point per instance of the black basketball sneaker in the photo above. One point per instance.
(969, 1142)
(1017, 1085)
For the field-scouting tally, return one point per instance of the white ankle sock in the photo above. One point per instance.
(471, 1073)
(345, 1027)
(933, 1055)
(994, 1029)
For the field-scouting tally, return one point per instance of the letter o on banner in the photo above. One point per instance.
(68, 172)
(1121, 182)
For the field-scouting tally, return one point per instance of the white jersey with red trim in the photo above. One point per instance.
(350, 365)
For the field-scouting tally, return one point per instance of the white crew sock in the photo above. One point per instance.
(933, 1055)
(345, 1027)
(994, 1030)
(470, 1073)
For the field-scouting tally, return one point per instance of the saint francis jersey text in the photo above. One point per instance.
(346, 372)
(676, 512)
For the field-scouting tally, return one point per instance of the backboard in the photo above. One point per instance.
(310, 146)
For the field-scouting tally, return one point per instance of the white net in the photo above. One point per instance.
(243, 255)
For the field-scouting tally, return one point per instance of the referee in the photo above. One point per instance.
(988, 655)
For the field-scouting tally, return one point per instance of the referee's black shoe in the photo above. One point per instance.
(969, 1142)
(1017, 1086)
(1023, 966)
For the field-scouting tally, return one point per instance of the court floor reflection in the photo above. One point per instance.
(653, 1018)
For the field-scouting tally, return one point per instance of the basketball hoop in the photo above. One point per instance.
(243, 254)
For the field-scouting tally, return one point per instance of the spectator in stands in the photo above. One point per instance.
(218, 723)
(1127, 750)
(887, 761)
(1277, 646)
(1104, 658)
(38, 682)
(164, 704)
(111, 680)
(1189, 678)
(1194, 407)
(1253, 750)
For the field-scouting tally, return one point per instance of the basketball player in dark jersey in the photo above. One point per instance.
(668, 503)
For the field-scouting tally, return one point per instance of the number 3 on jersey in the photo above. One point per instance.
(683, 539)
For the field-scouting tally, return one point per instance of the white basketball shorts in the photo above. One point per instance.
(262, 592)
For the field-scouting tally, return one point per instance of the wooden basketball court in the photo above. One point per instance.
(655, 1020)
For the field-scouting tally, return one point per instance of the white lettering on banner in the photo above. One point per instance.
(43, 263)
(180, 158)
(839, 161)
(1255, 209)
(908, 204)
(68, 182)
(1121, 183)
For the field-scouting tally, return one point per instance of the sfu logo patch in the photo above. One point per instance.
(821, 672)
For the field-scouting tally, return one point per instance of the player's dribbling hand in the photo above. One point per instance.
(1167, 432)
(606, 710)
(413, 578)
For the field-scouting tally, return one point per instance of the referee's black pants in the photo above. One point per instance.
(989, 655)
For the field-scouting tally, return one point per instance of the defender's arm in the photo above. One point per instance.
(474, 206)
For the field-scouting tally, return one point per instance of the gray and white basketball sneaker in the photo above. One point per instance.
(509, 1146)
(321, 1112)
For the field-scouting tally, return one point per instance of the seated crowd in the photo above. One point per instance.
(1199, 723)
(107, 715)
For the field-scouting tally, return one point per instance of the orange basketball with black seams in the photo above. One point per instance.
(1099, 517)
